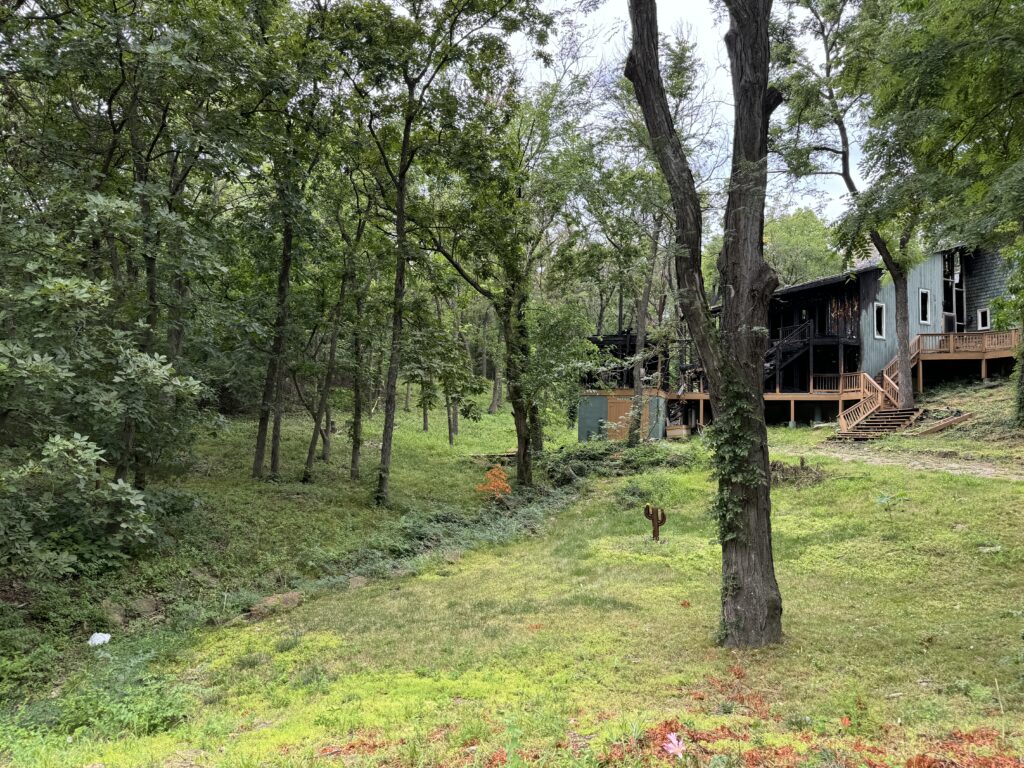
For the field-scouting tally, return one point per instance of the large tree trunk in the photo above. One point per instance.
(898, 273)
(636, 413)
(732, 359)
(516, 354)
(536, 430)
(275, 364)
(903, 359)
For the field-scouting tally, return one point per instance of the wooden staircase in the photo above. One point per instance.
(880, 423)
(878, 412)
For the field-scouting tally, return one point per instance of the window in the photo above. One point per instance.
(879, 320)
(926, 307)
(984, 319)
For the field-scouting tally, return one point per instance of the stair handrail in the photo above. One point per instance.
(892, 390)
(773, 350)
(872, 401)
(798, 330)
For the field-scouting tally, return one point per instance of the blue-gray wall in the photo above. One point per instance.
(657, 415)
(876, 286)
(593, 413)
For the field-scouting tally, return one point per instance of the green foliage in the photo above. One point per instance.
(732, 442)
(58, 513)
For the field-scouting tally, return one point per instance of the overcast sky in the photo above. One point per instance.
(706, 26)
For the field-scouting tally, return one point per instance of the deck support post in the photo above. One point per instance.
(810, 366)
(700, 419)
(792, 413)
(920, 375)
(984, 369)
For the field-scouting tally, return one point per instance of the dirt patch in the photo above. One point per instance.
(797, 475)
(946, 461)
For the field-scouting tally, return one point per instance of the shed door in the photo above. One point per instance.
(618, 418)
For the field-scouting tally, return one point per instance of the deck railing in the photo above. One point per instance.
(977, 341)
(850, 383)
(825, 382)
(836, 383)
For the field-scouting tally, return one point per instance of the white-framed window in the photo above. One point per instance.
(984, 319)
(879, 320)
(925, 307)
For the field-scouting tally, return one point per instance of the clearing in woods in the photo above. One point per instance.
(588, 644)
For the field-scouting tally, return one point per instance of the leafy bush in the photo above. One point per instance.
(602, 458)
(57, 512)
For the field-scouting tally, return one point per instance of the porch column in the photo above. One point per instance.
(810, 367)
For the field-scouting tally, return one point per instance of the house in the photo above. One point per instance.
(832, 348)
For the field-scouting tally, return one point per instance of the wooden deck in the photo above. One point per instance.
(867, 395)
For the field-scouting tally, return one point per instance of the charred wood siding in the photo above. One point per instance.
(985, 274)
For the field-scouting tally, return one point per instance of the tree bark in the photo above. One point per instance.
(898, 273)
(496, 392)
(358, 389)
(636, 414)
(733, 357)
(516, 354)
(395, 355)
(275, 364)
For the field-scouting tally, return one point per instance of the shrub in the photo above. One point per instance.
(57, 512)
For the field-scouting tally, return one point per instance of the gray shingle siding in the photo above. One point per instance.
(985, 279)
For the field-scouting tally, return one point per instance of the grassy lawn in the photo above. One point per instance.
(584, 645)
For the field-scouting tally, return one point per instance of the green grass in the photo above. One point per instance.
(989, 435)
(224, 540)
(904, 612)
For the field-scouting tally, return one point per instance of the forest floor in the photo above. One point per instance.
(550, 631)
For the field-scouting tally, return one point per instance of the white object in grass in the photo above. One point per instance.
(99, 638)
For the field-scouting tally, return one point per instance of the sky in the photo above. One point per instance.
(705, 24)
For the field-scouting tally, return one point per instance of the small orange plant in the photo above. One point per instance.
(495, 483)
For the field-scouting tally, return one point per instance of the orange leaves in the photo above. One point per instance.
(495, 484)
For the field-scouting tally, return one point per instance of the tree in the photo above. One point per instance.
(291, 117)
(796, 244)
(945, 99)
(507, 180)
(823, 98)
(733, 352)
(405, 69)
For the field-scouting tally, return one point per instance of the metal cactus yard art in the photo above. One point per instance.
(657, 517)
